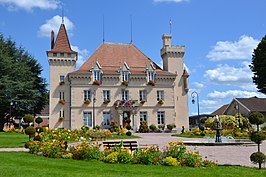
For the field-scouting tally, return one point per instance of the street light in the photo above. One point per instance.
(93, 111)
(193, 94)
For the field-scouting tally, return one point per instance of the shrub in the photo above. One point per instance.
(257, 137)
(38, 120)
(170, 126)
(256, 118)
(152, 127)
(112, 157)
(124, 157)
(39, 129)
(147, 156)
(175, 150)
(30, 131)
(161, 126)
(128, 133)
(86, 151)
(170, 161)
(258, 157)
(28, 118)
(114, 126)
(37, 138)
(128, 127)
(143, 128)
(191, 159)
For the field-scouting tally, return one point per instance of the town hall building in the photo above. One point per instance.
(117, 83)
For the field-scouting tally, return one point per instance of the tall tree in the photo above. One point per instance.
(22, 89)
(258, 66)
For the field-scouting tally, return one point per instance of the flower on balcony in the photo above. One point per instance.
(142, 101)
(161, 101)
(61, 118)
(125, 83)
(61, 82)
(61, 101)
(87, 101)
(97, 82)
(124, 102)
(106, 101)
(151, 82)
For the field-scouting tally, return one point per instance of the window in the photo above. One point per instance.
(124, 95)
(87, 94)
(54, 54)
(62, 113)
(61, 54)
(61, 95)
(106, 95)
(142, 116)
(96, 75)
(151, 75)
(160, 117)
(124, 75)
(160, 95)
(69, 55)
(142, 95)
(106, 119)
(62, 78)
(87, 118)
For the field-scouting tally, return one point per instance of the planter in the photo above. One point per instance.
(151, 82)
(87, 101)
(106, 101)
(61, 119)
(61, 82)
(161, 102)
(142, 101)
(96, 82)
(61, 102)
(125, 83)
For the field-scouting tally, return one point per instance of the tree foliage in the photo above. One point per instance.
(21, 84)
(258, 66)
(256, 118)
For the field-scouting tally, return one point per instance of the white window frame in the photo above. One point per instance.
(151, 75)
(62, 78)
(124, 75)
(62, 113)
(86, 118)
(160, 95)
(143, 116)
(160, 117)
(86, 94)
(106, 95)
(96, 75)
(124, 94)
(143, 95)
(106, 121)
(61, 95)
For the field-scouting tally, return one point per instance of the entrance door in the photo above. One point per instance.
(126, 118)
(87, 118)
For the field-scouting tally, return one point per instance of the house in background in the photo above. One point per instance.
(244, 106)
(45, 117)
(117, 83)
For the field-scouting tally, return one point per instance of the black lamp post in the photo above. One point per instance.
(193, 94)
(93, 110)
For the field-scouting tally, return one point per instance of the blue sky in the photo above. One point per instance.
(219, 36)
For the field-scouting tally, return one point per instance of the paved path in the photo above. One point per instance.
(235, 155)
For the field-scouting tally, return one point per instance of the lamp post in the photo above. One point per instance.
(193, 94)
(9, 121)
(93, 110)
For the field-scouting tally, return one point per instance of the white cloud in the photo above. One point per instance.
(82, 55)
(230, 75)
(238, 50)
(54, 24)
(230, 94)
(169, 1)
(199, 85)
(30, 4)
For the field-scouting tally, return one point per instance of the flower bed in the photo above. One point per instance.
(53, 144)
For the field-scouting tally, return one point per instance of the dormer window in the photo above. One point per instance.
(151, 75)
(97, 74)
(124, 75)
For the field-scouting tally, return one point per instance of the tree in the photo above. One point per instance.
(258, 66)
(22, 89)
(28, 118)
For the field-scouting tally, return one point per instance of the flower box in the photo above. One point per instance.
(87, 101)
(125, 83)
(61, 101)
(161, 102)
(61, 82)
(106, 101)
(151, 82)
(142, 101)
(61, 118)
(96, 82)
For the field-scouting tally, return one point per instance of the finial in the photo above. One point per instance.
(170, 23)
(103, 29)
(62, 15)
(131, 38)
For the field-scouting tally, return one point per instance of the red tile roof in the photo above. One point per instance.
(112, 56)
(62, 43)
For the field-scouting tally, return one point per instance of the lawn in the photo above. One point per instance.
(24, 164)
(9, 140)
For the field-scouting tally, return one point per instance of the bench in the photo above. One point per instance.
(132, 145)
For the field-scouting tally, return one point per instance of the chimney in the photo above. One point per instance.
(52, 39)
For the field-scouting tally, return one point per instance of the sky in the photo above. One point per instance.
(219, 36)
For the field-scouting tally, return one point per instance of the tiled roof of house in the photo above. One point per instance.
(62, 43)
(220, 111)
(112, 56)
(254, 103)
(45, 111)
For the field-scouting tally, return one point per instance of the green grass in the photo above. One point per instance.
(123, 137)
(24, 164)
(9, 140)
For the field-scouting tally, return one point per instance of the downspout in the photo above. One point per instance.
(69, 102)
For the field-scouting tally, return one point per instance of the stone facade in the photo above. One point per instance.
(117, 83)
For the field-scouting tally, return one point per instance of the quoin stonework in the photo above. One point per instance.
(117, 83)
